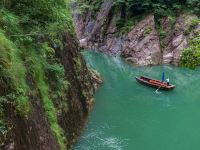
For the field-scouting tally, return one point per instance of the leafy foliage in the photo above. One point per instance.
(191, 56)
(89, 5)
(50, 110)
(126, 25)
(195, 5)
(147, 31)
(30, 31)
(131, 8)
(3, 129)
(137, 7)
(12, 75)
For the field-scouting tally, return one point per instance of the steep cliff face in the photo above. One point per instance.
(46, 88)
(178, 38)
(142, 45)
(150, 41)
(35, 132)
(82, 86)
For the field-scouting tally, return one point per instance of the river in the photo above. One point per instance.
(130, 116)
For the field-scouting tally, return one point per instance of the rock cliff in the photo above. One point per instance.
(178, 38)
(35, 132)
(143, 44)
(46, 89)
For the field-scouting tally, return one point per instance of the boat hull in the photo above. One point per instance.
(157, 84)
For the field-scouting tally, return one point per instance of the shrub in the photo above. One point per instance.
(12, 75)
(191, 55)
(148, 30)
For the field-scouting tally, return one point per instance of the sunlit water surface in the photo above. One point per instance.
(130, 116)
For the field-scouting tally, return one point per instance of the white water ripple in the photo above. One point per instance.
(97, 138)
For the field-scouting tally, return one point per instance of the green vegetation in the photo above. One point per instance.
(162, 32)
(89, 5)
(162, 35)
(48, 105)
(3, 129)
(58, 85)
(132, 11)
(125, 25)
(194, 6)
(147, 31)
(193, 24)
(160, 8)
(78, 63)
(12, 76)
(30, 31)
(125, 28)
(137, 8)
(191, 56)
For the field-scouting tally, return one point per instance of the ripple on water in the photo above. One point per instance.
(130, 116)
(97, 139)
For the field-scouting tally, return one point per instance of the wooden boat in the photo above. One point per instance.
(154, 83)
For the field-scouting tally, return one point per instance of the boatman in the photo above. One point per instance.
(167, 80)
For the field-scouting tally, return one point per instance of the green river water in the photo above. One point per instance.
(130, 116)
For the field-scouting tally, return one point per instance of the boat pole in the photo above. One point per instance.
(163, 76)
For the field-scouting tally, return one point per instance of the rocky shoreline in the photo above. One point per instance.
(143, 45)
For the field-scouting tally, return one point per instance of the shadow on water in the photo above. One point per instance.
(128, 115)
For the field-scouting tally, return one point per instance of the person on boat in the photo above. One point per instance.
(167, 80)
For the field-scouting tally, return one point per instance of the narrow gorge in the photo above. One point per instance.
(67, 70)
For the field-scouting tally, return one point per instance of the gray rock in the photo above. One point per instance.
(83, 43)
(90, 27)
(178, 39)
(142, 46)
(101, 21)
(113, 46)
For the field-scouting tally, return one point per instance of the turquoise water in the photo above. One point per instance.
(130, 116)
